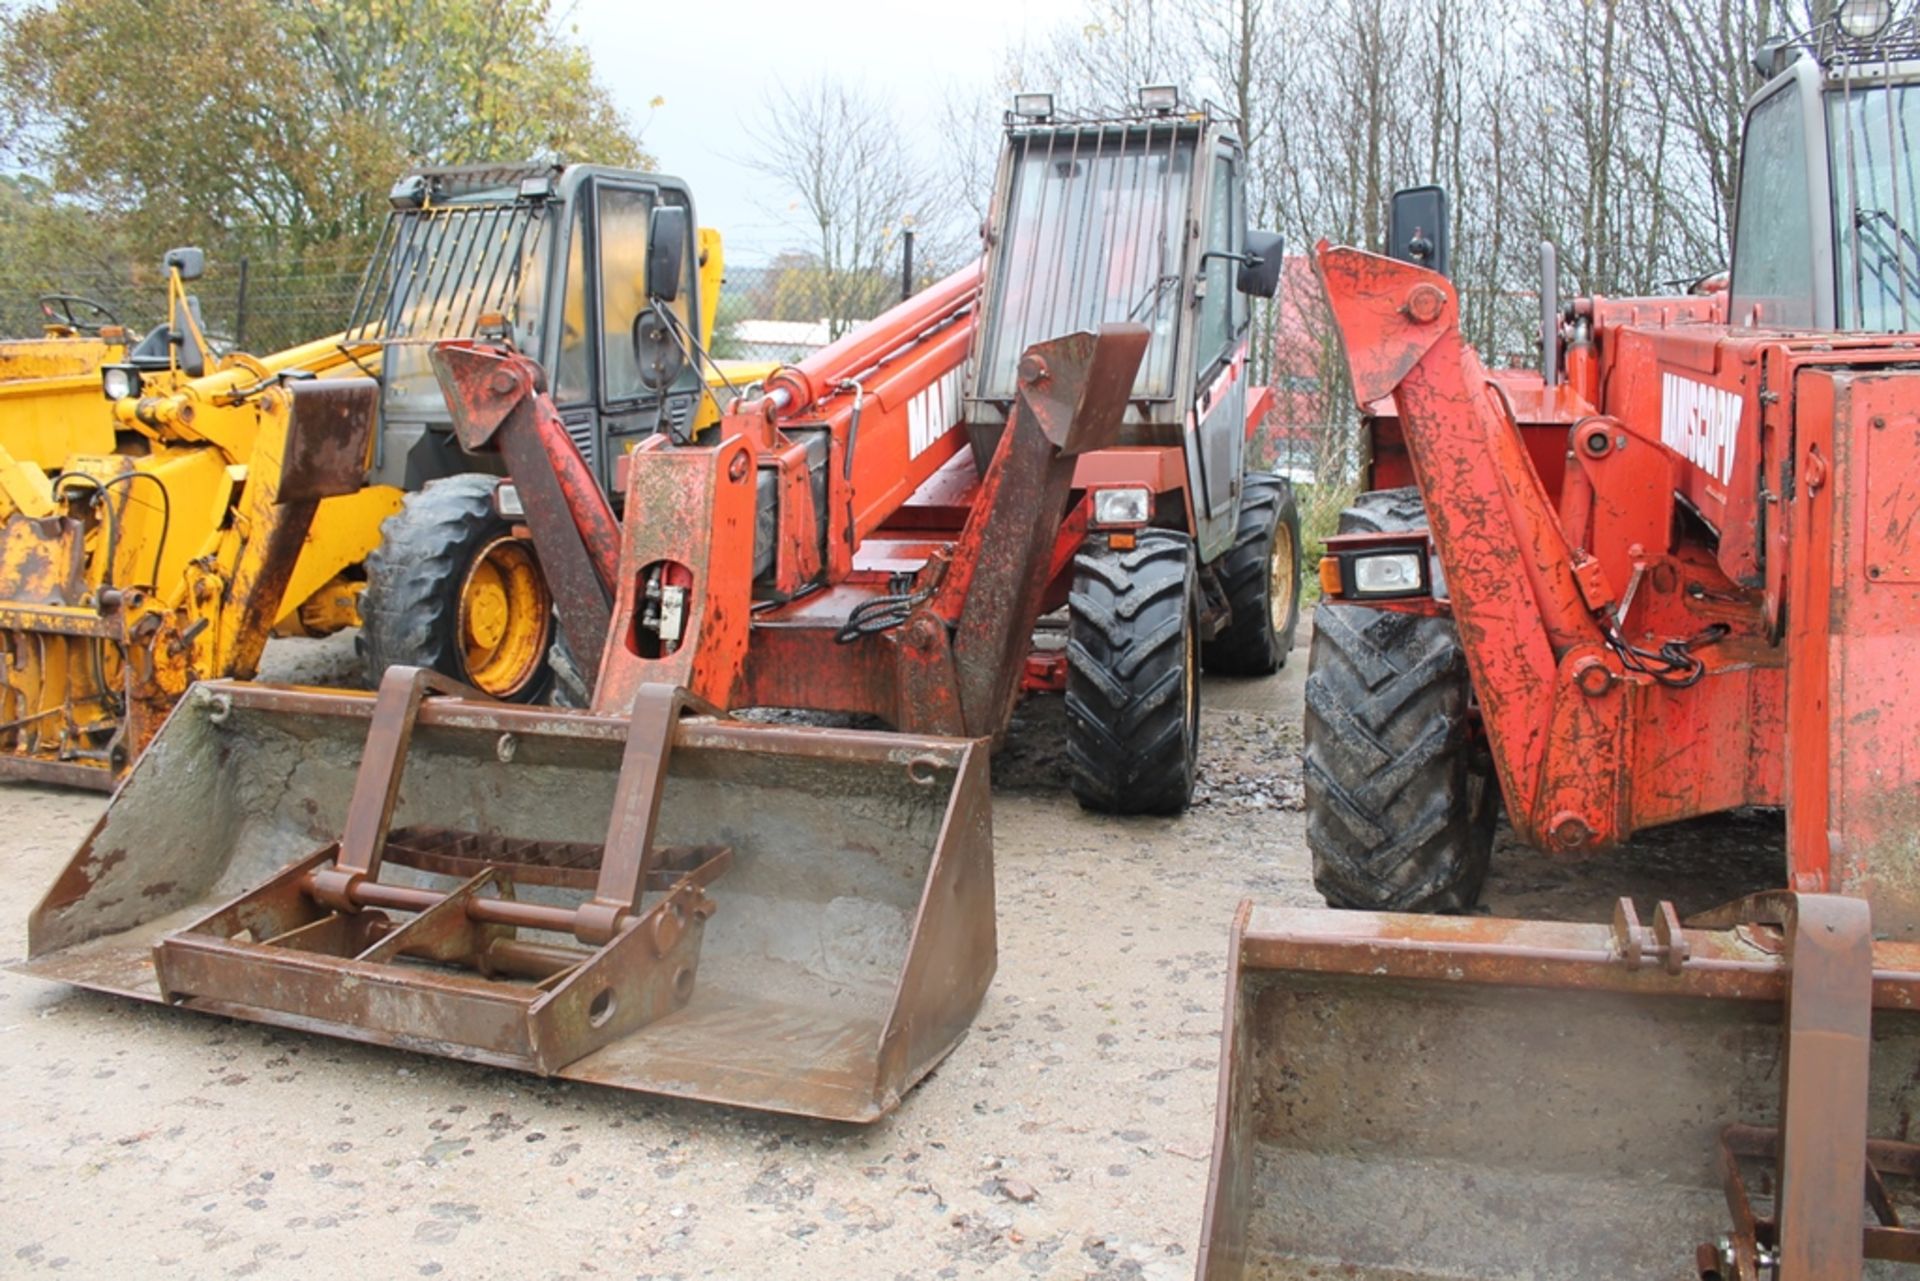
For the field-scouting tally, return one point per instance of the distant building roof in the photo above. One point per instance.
(786, 340)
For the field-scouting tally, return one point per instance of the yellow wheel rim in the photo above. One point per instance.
(1193, 682)
(1283, 576)
(506, 618)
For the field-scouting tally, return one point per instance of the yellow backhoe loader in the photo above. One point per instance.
(144, 544)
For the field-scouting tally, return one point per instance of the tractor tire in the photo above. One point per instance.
(1260, 575)
(1385, 511)
(447, 543)
(1133, 675)
(1401, 798)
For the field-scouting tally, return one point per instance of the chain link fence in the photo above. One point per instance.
(770, 313)
(246, 303)
(775, 313)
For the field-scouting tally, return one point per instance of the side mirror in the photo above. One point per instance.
(190, 263)
(667, 236)
(1259, 274)
(1417, 228)
(658, 357)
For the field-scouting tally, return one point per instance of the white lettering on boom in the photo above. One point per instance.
(932, 413)
(1701, 423)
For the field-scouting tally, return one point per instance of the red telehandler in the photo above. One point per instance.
(1173, 558)
(644, 893)
(1675, 572)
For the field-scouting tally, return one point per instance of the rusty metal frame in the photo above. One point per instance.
(480, 972)
(1813, 955)
(316, 942)
(1753, 1242)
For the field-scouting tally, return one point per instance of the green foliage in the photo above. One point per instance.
(174, 121)
(1320, 507)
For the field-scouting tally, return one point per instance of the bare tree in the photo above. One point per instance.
(835, 153)
(1610, 128)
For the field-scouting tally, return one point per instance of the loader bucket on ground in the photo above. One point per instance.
(1425, 1097)
(813, 932)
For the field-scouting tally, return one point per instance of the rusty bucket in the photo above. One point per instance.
(1407, 1097)
(769, 916)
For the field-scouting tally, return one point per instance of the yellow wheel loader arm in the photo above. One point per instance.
(156, 540)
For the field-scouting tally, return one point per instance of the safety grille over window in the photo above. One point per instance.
(1096, 233)
(437, 270)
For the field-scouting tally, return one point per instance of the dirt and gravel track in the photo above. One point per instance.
(1067, 1136)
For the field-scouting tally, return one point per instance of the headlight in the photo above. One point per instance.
(1864, 19)
(1387, 574)
(1124, 505)
(506, 501)
(1360, 567)
(117, 382)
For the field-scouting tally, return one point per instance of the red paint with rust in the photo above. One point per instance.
(912, 597)
(1750, 496)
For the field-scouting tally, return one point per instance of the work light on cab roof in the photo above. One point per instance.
(1864, 19)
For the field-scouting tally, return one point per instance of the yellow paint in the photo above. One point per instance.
(58, 357)
(24, 488)
(506, 618)
(713, 271)
(344, 531)
(189, 516)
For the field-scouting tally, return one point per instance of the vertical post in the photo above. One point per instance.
(1823, 1086)
(240, 310)
(906, 264)
(1549, 314)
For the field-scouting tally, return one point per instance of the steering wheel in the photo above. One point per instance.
(59, 310)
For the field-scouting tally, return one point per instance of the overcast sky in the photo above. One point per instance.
(709, 61)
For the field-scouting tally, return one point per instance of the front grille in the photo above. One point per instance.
(582, 434)
(676, 416)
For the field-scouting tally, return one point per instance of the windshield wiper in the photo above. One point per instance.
(1898, 251)
(1150, 301)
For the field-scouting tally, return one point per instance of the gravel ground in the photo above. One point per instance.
(1067, 1136)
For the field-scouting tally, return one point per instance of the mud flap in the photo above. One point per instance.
(1421, 1097)
(806, 923)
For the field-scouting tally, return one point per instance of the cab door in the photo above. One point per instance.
(1217, 418)
(596, 382)
(571, 359)
(629, 409)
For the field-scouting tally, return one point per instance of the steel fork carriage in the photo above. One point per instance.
(764, 915)
(320, 937)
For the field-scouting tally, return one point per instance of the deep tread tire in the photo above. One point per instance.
(1401, 801)
(1251, 644)
(1385, 511)
(1133, 697)
(410, 611)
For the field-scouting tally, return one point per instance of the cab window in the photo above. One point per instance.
(1773, 231)
(1225, 224)
(623, 214)
(1876, 206)
(573, 382)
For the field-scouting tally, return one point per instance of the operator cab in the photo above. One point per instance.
(1136, 218)
(557, 259)
(1827, 223)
